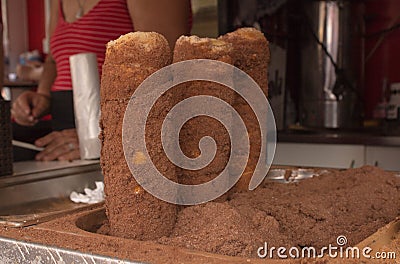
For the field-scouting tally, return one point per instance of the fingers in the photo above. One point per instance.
(70, 132)
(65, 151)
(58, 146)
(57, 136)
(54, 145)
(34, 64)
(40, 105)
(21, 111)
(46, 140)
(72, 155)
(60, 152)
(29, 107)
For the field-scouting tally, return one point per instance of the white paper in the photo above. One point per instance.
(86, 93)
(90, 196)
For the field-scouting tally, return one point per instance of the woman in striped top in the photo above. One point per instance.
(78, 26)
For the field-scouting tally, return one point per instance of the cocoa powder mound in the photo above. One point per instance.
(354, 203)
(314, 212)
(223, 229)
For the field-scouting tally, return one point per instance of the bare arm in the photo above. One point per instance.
(30, 106)
(49, 68)
(167, 17)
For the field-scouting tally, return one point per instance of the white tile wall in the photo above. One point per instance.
(337, 155)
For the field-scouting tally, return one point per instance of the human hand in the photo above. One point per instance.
(31, 71)
(59, 145)
(29, 107)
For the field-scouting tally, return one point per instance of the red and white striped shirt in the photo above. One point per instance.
(106, 21)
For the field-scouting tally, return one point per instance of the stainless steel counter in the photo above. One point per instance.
(29, 167)
(30, 171)
(39, 191)
(14, 251)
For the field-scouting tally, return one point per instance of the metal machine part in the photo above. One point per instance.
(328, 97)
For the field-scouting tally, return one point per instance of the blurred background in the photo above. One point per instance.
(334, 78)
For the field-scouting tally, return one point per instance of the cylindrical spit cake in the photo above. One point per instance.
(131, 211)
(251, 55)
(189, 48)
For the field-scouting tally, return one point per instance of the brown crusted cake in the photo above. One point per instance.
(247, 49)
(251, 55)
(131, 211)
(131, 59)
(193, 47)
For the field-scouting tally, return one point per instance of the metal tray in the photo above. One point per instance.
(88, 221)
(288, 175)
(14, 251)
(32, 197)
